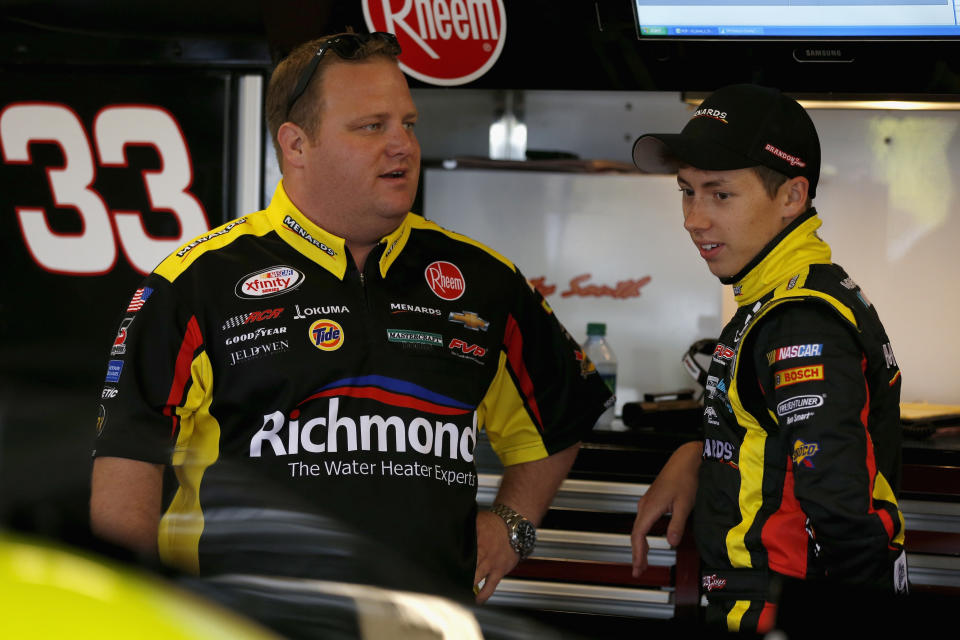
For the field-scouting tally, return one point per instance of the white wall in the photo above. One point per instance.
(886, 196)
(615, 228)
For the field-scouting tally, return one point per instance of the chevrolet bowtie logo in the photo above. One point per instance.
(470, 320)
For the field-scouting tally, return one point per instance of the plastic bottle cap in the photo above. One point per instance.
(596, 329)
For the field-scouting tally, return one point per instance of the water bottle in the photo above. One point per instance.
(598, 350)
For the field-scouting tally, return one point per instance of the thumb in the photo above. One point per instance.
(678, 522)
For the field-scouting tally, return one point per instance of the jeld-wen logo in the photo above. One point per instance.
(444, 42)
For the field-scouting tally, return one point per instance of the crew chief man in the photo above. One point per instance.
(342, 349)
(799, 467)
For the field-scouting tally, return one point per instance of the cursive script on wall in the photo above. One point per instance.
(580, 286)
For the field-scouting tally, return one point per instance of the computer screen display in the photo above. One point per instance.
(797, 18)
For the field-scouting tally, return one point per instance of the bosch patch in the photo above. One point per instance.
(797, 374)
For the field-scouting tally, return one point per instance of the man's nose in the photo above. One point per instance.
(401, 141)
(694, 216)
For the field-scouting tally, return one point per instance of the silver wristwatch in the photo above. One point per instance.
(520, 531)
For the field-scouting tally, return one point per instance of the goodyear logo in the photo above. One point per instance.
(803, 451)
(326, 335)
(797, 374)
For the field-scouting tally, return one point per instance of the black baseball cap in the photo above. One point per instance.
(738, 126)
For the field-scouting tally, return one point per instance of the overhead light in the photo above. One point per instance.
(895, 105)
(872, 102)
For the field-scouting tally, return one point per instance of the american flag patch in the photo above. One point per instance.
(139, 298)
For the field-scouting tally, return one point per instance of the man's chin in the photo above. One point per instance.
(397, 208)
(718, 271)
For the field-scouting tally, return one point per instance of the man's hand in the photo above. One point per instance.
(495, 557)
(528, 488)
(673, 491)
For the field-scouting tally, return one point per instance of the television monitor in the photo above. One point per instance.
(889, 47)
(798, 18)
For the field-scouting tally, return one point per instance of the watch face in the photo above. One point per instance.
(526, 536)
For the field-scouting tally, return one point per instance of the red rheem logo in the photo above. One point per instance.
(445, 280)
(444, 42)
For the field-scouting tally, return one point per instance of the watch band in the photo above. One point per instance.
(521, 533)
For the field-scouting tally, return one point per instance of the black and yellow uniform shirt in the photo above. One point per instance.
(802, 447)
(260, 347)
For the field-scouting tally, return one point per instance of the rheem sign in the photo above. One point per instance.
(444, 42)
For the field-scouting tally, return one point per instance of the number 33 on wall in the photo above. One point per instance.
(93, 250)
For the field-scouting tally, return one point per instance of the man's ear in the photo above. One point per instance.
(793, 197)
(292, 139)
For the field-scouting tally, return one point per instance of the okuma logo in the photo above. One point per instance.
(444, 42)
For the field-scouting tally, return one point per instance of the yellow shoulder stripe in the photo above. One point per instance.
(422, 223)
(782, 295)
(178, 261)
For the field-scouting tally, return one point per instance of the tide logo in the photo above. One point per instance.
(445, 280)
(444, 42)
(797, 374)
(326, 335)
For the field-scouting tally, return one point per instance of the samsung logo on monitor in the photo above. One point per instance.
(822, 54)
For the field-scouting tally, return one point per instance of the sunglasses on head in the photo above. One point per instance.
(347, 46)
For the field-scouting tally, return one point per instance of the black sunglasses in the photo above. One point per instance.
(347, 47)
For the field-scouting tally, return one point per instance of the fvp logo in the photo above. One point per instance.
(326, 335)
(444, 42)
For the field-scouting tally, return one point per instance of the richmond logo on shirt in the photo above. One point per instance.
(416, 420)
